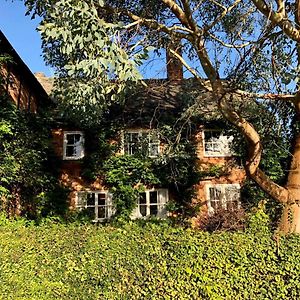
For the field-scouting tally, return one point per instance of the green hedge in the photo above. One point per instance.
(55, 261)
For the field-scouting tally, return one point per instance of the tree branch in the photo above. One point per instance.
(278, 18)
(228, 45)
(269, 96)
(222, 15)
(178, 12)
(189, 68)
(189, 15)
(149, 23)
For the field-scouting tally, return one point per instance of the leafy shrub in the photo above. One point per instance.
(146, 261)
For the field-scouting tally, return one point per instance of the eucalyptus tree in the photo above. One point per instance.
(244, 48)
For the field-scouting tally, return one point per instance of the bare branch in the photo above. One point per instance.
(188, 67)
(178, 12)
(228, 45)
(149, 23)
(270, 96)
(189, 15)
(225, 9)
(280, 7)
(135, 23)
(278, 18)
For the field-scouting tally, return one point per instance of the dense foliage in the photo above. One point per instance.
(27, 185)
(146, 261)
(127, 175)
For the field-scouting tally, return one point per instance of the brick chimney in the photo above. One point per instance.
(174, 65)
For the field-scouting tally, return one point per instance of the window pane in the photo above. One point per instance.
(214, 193)
(142, 198)
(134, 137)
(217, 143)
(101, 199)
(153, 210)
(81, 199)
(232, 193)
(70, 139)
(154, 138)
(143, 210)
(162, 197)
(215, 205)
(153, 149)
(90, 212)
(77, 138)
(91, 199)
(134, 148)
(101, 212)
(70, 151)
(153, 197)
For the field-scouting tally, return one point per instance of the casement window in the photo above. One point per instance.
(223, 196)
(98, 204)
(151, 203)
(144, 142)
(216, 144)
(73, 146)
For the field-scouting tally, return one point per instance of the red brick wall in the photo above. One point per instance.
(18, 89)
(70, 172)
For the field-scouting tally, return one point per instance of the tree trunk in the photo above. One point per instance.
(290, 220)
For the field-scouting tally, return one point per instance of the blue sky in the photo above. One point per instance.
(20, 31)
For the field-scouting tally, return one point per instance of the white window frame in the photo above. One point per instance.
(79, 146)
(109, 209)
(224, 201)
(224, 141)
(140, 132)
(162, 200)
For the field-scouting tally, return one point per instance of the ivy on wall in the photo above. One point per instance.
(27, 187)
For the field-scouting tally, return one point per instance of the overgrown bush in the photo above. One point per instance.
(148, 261)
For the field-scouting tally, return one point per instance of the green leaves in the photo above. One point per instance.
(127, 175)
(86, 51)
(24, 143)
(148, 261)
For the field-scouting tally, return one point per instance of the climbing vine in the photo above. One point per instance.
(27, 187)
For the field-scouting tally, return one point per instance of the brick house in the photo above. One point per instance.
(144, 109)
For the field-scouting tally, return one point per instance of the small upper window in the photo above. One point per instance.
(144, 142)
(223, 196)
(73, 146)
(217, 144)
(98, 204)
(151, 203)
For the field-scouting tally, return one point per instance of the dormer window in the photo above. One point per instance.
(144, 142)
(217, 144)
(73, 146)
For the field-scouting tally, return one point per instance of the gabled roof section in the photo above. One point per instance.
(22, 73)
(160, 98)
